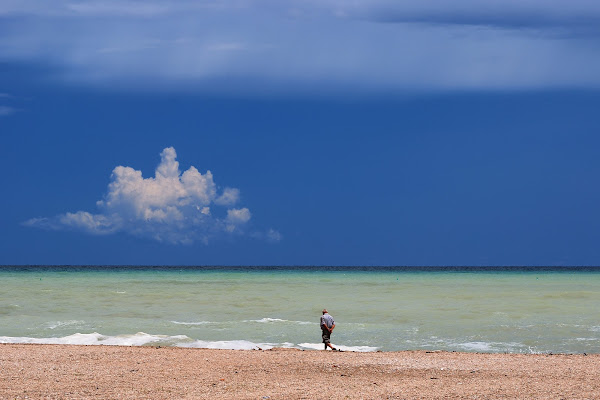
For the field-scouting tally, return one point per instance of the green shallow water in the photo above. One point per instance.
(504, 311)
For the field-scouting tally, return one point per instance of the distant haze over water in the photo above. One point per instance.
(487, 309)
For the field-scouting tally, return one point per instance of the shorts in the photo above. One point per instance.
(326, 335)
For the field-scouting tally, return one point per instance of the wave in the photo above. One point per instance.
(275, 320)
(265, 320)
(476, 346)
(145, 339)
(60, 324)
(490, 347)
(138, 339)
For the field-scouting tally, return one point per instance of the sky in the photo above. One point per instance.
(300, 132)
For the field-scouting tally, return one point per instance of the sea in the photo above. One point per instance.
(467, 309)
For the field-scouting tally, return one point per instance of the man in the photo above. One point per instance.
(327, 325)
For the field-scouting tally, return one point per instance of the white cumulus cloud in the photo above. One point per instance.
(236, 218)
(172, 206)
(229, 196)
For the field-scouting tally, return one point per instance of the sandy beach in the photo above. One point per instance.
(76, 372)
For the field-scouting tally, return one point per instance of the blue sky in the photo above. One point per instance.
(300, 132)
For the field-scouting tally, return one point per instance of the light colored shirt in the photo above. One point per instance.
(327, 320)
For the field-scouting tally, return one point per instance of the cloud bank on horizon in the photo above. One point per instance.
(295, 45)
(170, 207)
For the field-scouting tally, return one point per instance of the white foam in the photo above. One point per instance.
(275, 320)
(530, 350)
(141, 339)
(138, 339)
(476, 346)
(486, 347)
(78, 338)
(58, 324)
(194, 323)
(265, 320)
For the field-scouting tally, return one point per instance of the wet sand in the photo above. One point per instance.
(114, 372)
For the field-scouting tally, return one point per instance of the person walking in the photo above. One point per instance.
(327, 325)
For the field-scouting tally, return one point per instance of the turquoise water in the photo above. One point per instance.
(517, 311)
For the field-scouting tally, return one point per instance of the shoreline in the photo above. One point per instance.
(133, 372)
(257, 348)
